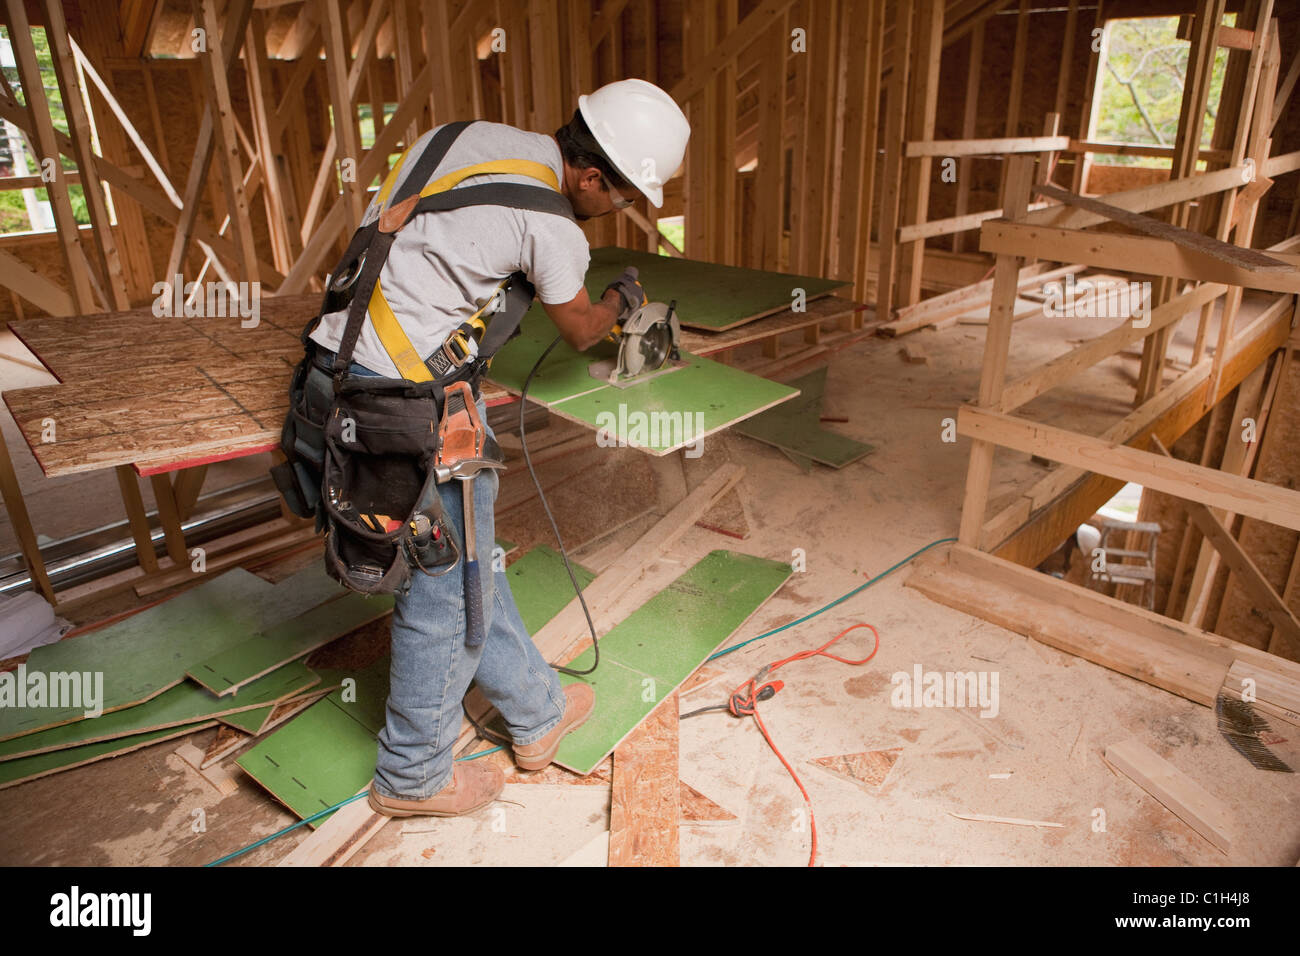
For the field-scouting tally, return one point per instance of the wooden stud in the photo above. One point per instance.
(1019, 56)
(974, 65)
(347, 136)
(226, 142)
(923, 101)
(38, 109)
(770, 186)
(895, 120)
(1015, 197)
(74, 109)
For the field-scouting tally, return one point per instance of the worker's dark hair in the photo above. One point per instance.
(581, 151)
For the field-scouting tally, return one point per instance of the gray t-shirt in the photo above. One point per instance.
(444, 266)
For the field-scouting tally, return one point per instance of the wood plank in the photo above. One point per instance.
(1160, 257)
(953, 303)
(645, 801)
(999, 146)
(1061, 369)
(1037, 613)
(1180, 794)
(1183, 479)
(1145, 198)
(1239, 256)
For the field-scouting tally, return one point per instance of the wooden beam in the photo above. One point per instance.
(34, 287)
(1019, 54)
(895, 124)
(1183, 479)
(1160, 257)
(1180, 794)
(347, 136)
(1248, 574)
(225, 140)
(923, 106)
(1244, 258)
(204, 144)
(74, 108)
(1145, 198)
(38, 110)
(769, 225)
(970, 111)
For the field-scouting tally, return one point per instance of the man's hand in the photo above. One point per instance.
(629, 290)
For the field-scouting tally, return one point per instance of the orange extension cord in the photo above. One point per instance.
(744, 703)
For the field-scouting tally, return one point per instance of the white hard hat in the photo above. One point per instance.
(642, 131)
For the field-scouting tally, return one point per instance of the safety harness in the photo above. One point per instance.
(360, 449)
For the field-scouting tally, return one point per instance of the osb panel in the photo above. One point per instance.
(646, 794)
(138, 389)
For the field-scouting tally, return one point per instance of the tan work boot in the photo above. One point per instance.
(473, 785)
(579, 702)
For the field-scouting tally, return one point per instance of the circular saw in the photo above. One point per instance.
(647, 340)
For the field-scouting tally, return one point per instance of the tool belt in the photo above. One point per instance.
(360, 449)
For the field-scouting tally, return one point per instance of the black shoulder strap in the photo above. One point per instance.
(375, 244)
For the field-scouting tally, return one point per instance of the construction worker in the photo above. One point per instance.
(626, 138)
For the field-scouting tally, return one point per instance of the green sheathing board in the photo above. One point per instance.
(541, 587)
(663, 642)
(29, 768)
(709, 296)
(674, 409)
(254, 721)
(185, 703)
(327, 753)
(288, 641)
(147, 653)
(795, 428)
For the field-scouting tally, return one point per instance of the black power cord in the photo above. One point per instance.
(523, 440)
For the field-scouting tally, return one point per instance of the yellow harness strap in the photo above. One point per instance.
(410, 364)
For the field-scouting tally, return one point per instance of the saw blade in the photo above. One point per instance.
(656, 342)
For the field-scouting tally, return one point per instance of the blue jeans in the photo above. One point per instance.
(432, 668)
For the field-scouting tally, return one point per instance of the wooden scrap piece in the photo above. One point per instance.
(1182, 795)
(1015, 821)
(218, 777)
(914, 355)
(699, 810)
(868, 769)
(645, 799)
